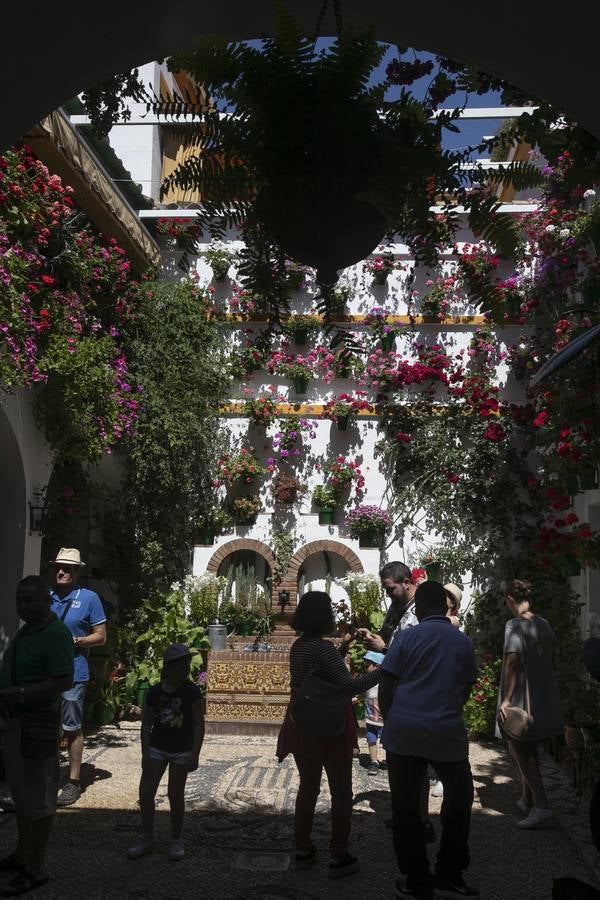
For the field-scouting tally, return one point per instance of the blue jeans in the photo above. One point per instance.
(407, 775)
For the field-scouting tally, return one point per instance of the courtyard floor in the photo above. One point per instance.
(239, 835)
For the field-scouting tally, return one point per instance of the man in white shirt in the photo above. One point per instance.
(426, 677)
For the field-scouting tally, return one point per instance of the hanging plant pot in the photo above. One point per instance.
(588, 479)
(326, 516)
(206, 537)
(301, 335)
(342, 422)
(370, 539)
(300, 384)
(387, 342)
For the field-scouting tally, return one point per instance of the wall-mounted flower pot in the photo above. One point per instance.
(342, 422)
(572, 567)
(247, 520)
(142, 692)
(370, 539)
(387, 342)
(380, 277)
(326, 516)
(513, 307)
(301, 335)
(588, 479)
(300, 385)
(206, 537)
(220, 272)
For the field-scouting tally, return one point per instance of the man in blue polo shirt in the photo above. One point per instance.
(81, 611)
(426, 677)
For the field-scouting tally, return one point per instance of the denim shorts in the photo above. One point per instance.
(373, 732)
(180, 759)
(71, 707)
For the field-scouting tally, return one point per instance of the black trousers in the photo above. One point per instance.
(407, 775)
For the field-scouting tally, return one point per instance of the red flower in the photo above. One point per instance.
(494, 432)
(48, 280)
(541, 419)
(572, 519)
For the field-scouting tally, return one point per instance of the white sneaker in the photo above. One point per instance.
(144, 845)
(536, 818)
(437, 790)
(176, 850)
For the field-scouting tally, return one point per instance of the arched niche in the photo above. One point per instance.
(348, 562)
(13, 525)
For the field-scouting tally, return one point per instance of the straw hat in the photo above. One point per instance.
(455, 592)
(69, 556)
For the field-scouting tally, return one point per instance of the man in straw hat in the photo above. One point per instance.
(81, 611)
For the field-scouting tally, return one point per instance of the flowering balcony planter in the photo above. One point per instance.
(326, 516)
(387, 342)
(220, 271)
(370, 538)
(342, 422)
(300, 385)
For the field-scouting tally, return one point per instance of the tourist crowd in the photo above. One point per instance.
(420, 669)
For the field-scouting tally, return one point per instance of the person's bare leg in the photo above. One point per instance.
(39, 835)
(75, 746)
(526, 756)
(149, 783)
(177, 777)
(526, 793)
(373, 752)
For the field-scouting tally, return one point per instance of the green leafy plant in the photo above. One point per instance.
(324, 497)
(220, 257)
(480, 708)
(201, 594)
(282, 544)
(167, 623)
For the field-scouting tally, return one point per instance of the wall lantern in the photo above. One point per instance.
(37, 511)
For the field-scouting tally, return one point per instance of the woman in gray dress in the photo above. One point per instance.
(528, 681)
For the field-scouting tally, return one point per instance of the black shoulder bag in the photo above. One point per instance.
(320, 707)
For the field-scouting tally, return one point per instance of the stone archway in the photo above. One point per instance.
(225, 550)
(290, 582)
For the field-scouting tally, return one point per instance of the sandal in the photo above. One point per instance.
(22, 884)
(10, 864)
(305, 859)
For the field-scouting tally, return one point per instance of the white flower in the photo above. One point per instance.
(564, 232)
(549, 229)
(589, 194)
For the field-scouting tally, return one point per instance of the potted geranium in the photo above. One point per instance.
(338, 299)
(380, 329)
(219, 257)
(380, 266)
(435, 303)
(300, 326)
(325, 498)
(245, 509)
(301, 369)
(212, 522)
(263, 410)
(176, 228)
(245, 360)
(296, 275)
(287, 440)
(368, 524)
(342, 473)
(240, 467)
(287, 488)
(343, 407)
